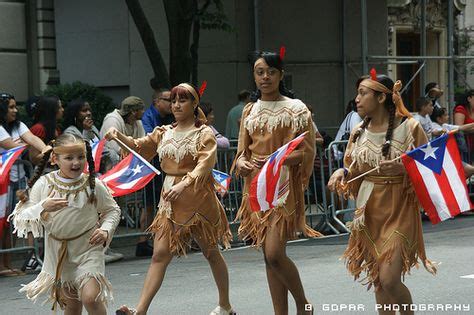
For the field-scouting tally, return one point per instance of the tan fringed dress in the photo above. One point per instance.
(266, 126)
(387, 217)
(187, 156)
(68, 229)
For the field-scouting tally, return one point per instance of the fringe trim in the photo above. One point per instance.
(275, 115)
(362, 256)
(24, 224)
(44, 283)
(359, 220)
(176, 145)
(254, 227)
(180, 235)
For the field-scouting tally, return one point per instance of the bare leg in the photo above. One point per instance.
(156, 273)
(219, 270)
(73, 306)
(395, 292)
(6, 243)
(283, 273)
(89, 294)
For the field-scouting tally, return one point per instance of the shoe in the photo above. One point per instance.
(219, 310)
(111, 256)
(32, 264)
(143, 249)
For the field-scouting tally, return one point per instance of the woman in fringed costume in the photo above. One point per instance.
(272, 119)
(189, 207)
(78, 216)
(386, 234)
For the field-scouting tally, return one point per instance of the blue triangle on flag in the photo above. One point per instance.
(431, 154)
(135, 170)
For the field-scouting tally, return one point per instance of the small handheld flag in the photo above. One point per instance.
(266, 188)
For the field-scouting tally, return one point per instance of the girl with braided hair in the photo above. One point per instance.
(386, 235)
(78, 217)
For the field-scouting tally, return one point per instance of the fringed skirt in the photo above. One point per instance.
(388, 225)
(254, 225)
(197, 213)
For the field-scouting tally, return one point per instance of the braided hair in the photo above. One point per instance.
(390, 107)
(63, 139)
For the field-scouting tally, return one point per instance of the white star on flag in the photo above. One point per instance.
(137, 169)
(429, 151)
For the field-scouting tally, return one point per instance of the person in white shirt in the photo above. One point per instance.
(440, 118)
(424, 106)
(13, 133)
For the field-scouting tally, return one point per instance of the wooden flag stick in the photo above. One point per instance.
(157, 172)
(372, 170)
(395, 159)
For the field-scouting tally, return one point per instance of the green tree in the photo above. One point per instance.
(101, 104)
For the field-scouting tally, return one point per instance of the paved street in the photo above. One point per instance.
(189, 288)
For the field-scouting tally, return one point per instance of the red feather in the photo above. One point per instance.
(282, 52)
(202, 88)
(373, 74)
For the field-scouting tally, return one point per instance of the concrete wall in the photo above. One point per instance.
(97, 42)
(92, 39)
(13, 49)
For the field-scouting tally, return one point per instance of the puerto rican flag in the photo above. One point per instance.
(97, 149)
(267, 187)
(222, 181)
(7, 158)
(437, 175)
(128, 176)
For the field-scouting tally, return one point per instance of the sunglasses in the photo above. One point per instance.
(6, 96)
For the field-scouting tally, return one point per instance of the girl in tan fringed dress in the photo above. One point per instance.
(267, 123)
(386, 234)
(78, 216)
(188, 206)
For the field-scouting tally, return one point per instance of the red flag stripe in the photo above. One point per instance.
(452, 148)
(420, 189)
(447, 192)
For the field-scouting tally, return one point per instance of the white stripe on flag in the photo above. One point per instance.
(262, 188)
(128, 185)
(3, 204)
(434, 191)
(114, 175)
(457, 184)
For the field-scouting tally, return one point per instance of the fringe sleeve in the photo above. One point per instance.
(108, 209)
(147, 145)
(350, 190)
(306, 151)
(27, 215)
(244, 137)
(206, 159)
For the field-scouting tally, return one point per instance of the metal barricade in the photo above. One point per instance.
(323, 209)
(339, 207)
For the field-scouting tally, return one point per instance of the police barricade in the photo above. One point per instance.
(341, 210)
(11, 243)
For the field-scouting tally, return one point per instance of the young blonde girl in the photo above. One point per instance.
(78, 216)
